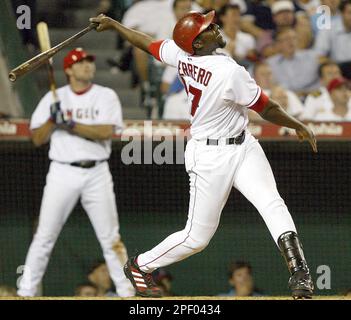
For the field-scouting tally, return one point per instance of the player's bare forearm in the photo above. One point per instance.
(93, 132)
(136, 38)
(42, 134)
(274, 113)
(254, 117)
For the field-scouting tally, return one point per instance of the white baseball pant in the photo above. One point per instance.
(65, 184)
(213, 171)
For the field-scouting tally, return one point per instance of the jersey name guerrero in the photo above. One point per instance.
(201, 76)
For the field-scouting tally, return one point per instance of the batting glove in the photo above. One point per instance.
(56, 114)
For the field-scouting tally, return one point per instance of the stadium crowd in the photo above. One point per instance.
(298, 51)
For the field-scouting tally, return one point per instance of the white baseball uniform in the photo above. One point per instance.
(65, 184)
(220, 93)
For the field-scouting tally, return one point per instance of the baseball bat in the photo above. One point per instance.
(45, 44)
(43, 57)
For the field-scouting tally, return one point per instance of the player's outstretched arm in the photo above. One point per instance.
(136, 38)
(274, 113)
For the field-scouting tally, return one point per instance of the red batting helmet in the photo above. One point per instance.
(189, 27)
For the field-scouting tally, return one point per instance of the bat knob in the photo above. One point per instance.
(12, 77)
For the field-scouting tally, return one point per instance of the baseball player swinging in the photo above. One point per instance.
(221, 154)
(79, 128)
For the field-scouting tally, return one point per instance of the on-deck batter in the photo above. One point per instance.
(221, 154)
(80, 128)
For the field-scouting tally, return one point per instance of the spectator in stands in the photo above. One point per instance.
(285, 15)
(294, 69)
(114, 9)
(176, 100)
(280, 15)
(309, 6)
(203, 5)
(240, 45)
(241, 280)
(6, 291)
(320, 100)
(335, 42)
(334, 12)
(217, 5)
(4, 115)
(258, 17)
(157, 18)
(99, 276)
(340, 97)
(163, 280)
(263, 75)
(86, 289)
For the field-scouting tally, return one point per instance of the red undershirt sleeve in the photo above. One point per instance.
(154, 49)
(261, 103)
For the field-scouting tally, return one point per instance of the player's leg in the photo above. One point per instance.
(98, 199)
(255, 180)
(210, 183)
(59, 198)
